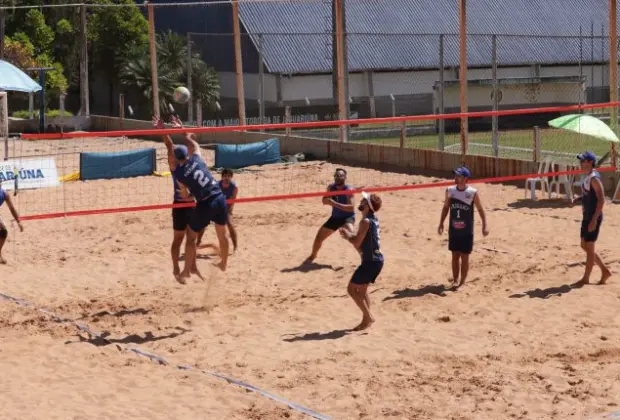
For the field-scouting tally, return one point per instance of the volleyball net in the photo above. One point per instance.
(94, 172)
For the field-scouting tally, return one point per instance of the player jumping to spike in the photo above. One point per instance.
(191, 172)
(180, 215)
(592, 201)
(367, 242)
(459, 202)
(4, 233)
(343, 212)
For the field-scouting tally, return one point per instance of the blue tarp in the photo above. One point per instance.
(117, 165)
(236, 156)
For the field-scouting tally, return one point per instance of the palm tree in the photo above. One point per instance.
(136, 75)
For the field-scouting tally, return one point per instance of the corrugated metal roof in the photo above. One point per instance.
(297, 35)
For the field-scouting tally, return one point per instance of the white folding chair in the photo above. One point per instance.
(561, 180)
(530, 183)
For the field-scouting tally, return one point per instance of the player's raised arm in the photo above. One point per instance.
(14, 212)
(172, 162)
(483, 216)
(189, 139)
(444, 213)
(357, 238)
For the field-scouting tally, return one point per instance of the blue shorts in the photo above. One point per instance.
(590, 236)
(367, 272)
(209, 210)
(461, 243)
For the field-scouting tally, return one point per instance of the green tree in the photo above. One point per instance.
(40, 34)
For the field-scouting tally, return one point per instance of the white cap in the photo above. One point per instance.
(367, 197)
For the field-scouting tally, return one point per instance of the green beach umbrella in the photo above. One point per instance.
(587, 125)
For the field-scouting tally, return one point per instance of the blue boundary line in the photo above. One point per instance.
(162, 360)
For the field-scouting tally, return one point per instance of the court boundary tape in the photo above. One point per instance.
(162, 360)
(293, 196)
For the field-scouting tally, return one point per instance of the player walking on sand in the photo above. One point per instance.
(459, 203)
(192, 173)
(4, 233)
(367, 242)
(592, 202)
(343, 212)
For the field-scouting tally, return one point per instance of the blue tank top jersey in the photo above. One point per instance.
(2, 196)
(342, 199)
(228, 192)
(177, 190)
(370, 249)
(195, 175)
(589, 200)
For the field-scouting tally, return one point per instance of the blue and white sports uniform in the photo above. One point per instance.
(211, 203)
(181, 216)
(370, 251)
(228, 191)
(589, 201)
(461, 230)
(339, 218)
(3, 232)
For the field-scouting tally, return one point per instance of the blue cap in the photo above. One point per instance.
(462, 171)
(587, 156)
(180, 152)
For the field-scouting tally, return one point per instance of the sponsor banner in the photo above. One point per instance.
(31, 174)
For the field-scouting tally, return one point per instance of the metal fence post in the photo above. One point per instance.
(261, 81)
(495, 97)
(442, 123)
(62, 112)
(190, 103)
(536, 152)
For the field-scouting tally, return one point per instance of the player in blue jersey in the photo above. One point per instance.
(4, 233)
(180, 215)
(367, 242)
(192, 174)
(459, 203)
(343, 212)
(592, 201)
(230, 190)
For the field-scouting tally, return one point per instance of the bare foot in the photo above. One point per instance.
(196, 272)
(182, 278)
(310, 259)
(366, 323)
(176, 271)
(2, 261)
(581, 283)
(462, 282)
(606, 275)
(221, 266)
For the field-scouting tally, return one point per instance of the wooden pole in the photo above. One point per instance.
(613, 71)
(463, 74)
(153, 50)
(84, 84)
(238, 62)
(2, 29)
(190, 103)
(342, 111)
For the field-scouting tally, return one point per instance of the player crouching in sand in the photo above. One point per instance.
(366, 241)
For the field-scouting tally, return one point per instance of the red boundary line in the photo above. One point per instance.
(258, 127)
(309, 194)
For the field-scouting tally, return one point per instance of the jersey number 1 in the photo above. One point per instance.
(458, 214)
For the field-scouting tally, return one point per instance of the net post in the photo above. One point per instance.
(4, 123)
(199, 113)
(261, 80)
(238, 62)
(403, 134)
(31, 105)
(190, 103)
(121, 106)
(463, 74)
(84, 92)
(61, 106)
(536, 145)
(287, 119)
(153, 54)
(442, 123)
(494, 119)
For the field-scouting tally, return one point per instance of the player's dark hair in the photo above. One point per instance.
(340, 169)
(227, 171)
